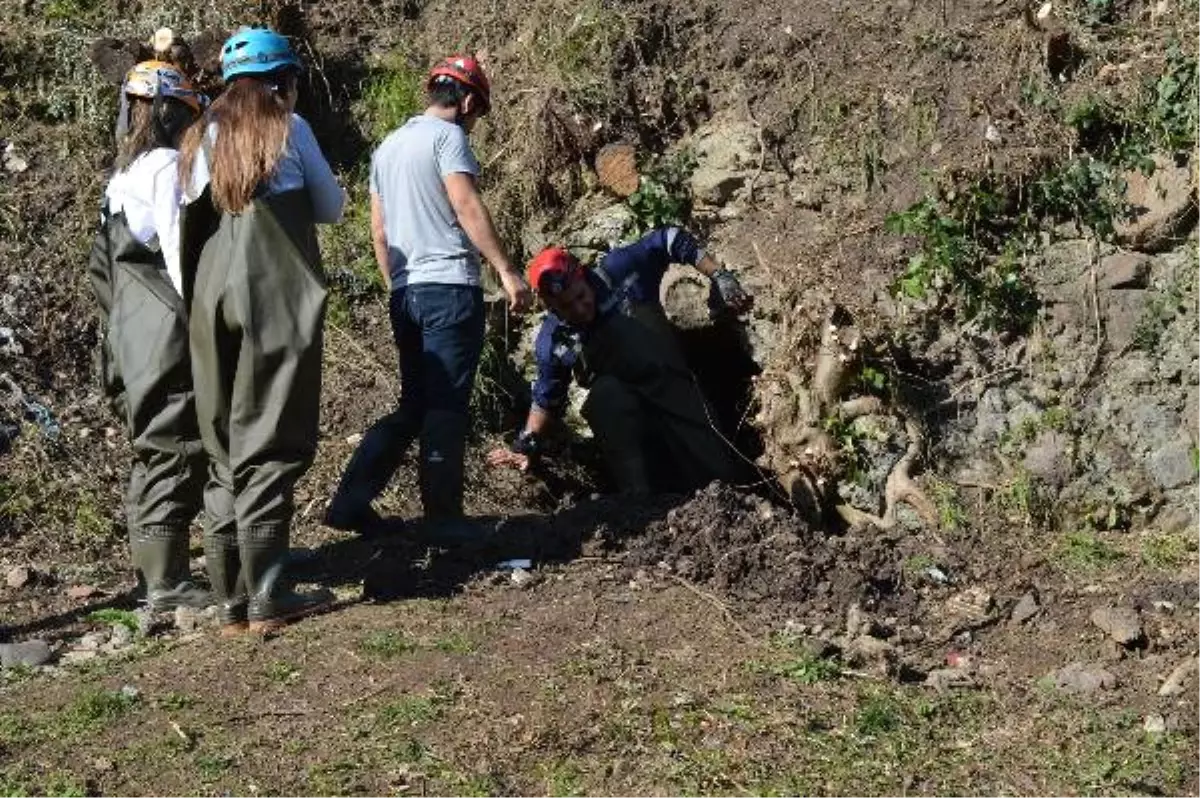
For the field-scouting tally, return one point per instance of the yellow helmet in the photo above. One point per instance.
(151, 79)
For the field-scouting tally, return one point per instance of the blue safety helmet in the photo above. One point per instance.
(256, 51)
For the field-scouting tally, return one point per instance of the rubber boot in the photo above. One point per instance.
(629, 472)
(273, 603)
(225, 574)
(443, 445)
(160, 555)
(371, 467)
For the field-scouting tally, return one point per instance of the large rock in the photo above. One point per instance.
(1163, 206)
(727, 153)
(1124, 270)
(602, 230)
(1172, 465)
(616, 167)
(1049, 457)
(30, 653)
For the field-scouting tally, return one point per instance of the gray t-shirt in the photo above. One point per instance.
(426, 244)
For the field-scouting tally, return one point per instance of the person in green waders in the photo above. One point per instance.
(607, 330)
(257, 185)
(135, 275)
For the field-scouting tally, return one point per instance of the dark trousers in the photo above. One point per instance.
(439, 332)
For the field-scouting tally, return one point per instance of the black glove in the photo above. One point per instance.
(731, 291)
(527, 443)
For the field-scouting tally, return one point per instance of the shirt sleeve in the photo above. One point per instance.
(649, 257)
(454, 154)
(327, 196)
(549, 390)
(166, 201)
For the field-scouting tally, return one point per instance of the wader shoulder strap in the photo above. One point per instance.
(199, 220)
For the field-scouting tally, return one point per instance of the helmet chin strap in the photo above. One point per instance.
(161, 134)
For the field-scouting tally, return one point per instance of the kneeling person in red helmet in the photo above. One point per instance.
(606, 329)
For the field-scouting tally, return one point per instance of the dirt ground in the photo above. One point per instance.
(717, 643)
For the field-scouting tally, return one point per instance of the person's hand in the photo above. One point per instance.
(520, 298)
(507, 458)
(730, 289)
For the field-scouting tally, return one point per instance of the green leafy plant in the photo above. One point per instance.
(386, 645)
(113, 616)
(663, 196)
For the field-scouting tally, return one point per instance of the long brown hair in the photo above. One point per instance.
(252, 118)
(144, 134)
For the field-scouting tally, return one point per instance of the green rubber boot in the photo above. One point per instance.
(273, 602)
(160, 555)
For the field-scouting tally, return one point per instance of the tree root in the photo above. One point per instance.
(900, 487)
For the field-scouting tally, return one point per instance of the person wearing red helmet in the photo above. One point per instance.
(430, 229)
(606, 329)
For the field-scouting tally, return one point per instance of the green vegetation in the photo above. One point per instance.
(282, 672)
(951, 515)
(1084, 551)
(90, 712)
(663, 196)
(394, 92)
(113, 617)
(1167, 550)
(386, 645)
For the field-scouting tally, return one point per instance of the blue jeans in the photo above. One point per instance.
(439, 331)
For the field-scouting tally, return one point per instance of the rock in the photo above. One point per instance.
(944, 679)
(77, 656)
(713, 186)
(92, 641)
(121, 636)
(1177, 679)
(1026, 608)
(1048, 457)
(187, 619)
(856, 622)
(872, 652)
(1163, 206)
(1081, 679)
(522, 578)
(974, 604)
(12, 161)
(1122, 311)
(79, 592)
(603, 229)
(29, 653)
(1122, 624)
(20, 576)
(1124, 270)
(130, 693)
(616, 167)
(1171, 466)
(1154, 724)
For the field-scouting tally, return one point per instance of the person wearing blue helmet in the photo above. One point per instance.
(257, 185)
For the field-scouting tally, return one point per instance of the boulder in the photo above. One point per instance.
(1163, 206)
(1080, 678)
(616, 168)
(1124, 270)
(1122, 624)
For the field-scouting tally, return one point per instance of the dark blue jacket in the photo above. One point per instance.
(626, 276)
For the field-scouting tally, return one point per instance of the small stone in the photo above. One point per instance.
(1080, 678)
(974, 603)
(944, 679)
(19, 577)
(187, 619)
(871, 651)
(78, 656)
(992, 134)
(103, 764)
(1155, 724)
(1177, 679)
(522, 578)
(1045, 10)
(856, 621)
(130, 693)
(79, 592)
(121, 636)
(1026, 608)
(29, 653)
(354, 439)
(616, 168)
(1120, 623)
(92, 641)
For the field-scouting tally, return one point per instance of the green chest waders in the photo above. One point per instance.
(147, 375)
(257, 323)
(644, 398)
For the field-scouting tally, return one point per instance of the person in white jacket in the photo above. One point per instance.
(135, 274)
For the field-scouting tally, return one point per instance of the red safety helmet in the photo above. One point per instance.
(552, 270)
(467, 71)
